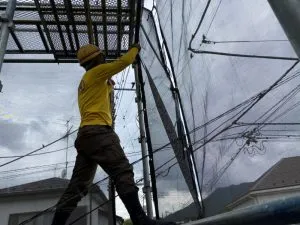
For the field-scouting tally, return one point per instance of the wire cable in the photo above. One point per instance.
(256, 100)
(39, 149)
(214, 16)
(243, 55)
(245, 41)
(43, 153)
(200, 23)
(243, 112)
(33, 167)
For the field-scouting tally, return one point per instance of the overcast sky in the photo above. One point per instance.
(39, 99)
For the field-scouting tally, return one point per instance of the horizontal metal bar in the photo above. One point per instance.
(280, 212)
(59, 53)
(51, 30)
(124, 89)
(76, 9)
(44, 60)
(40, 61)
(37, 22)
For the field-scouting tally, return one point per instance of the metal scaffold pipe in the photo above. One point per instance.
(288, 14)
(279, 212)
(143, 138)
(146, 169)
(6, 24)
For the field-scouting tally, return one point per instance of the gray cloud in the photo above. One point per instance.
(12, 135)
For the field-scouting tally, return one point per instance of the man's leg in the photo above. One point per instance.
(105, 149)
(82, 178)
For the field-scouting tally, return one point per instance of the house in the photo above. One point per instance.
(21, 202)
(280, 181)
(214, 204)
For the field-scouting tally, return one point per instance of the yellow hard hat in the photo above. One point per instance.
(87, 52)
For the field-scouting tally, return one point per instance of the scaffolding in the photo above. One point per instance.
(52, 31)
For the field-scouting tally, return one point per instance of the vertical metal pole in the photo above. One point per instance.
(149, 142)
(288, 14)
(112, 204)
(67, 148)
(147, 186)
(137, 70)
(111, 186)
(7, 22)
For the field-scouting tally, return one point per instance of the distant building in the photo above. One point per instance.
(280, 181)
(21, 202)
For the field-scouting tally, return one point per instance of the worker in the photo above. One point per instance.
(96, 142)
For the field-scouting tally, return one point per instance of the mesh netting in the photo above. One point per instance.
(240, 121)
(174, 181)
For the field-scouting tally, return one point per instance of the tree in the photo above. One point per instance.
(127, 222)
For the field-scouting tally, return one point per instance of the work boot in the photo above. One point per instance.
(136, 212)
(60, 218)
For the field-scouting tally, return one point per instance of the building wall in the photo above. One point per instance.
(36, 203)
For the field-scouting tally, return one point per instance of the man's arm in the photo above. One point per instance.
(110, 69)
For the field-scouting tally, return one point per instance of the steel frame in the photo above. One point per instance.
(62, 33)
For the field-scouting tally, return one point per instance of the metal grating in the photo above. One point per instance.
(60, 27)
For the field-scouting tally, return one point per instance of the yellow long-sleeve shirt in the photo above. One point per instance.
(93, 91)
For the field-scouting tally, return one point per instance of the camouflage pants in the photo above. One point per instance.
(97, 145)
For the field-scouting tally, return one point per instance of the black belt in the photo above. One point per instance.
(87, 127)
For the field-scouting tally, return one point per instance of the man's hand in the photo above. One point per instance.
(136, 45)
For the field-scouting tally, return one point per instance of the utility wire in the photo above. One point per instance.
(33, 167)
(89, 188)
(39, 149)
(43, 153)
(80, 193)
(124, 83)
(267, 124)
(245, 41)
(33, 172)
(256, 100)
(286, 98)
(243, 55)
(200, 23)
(282, 82)
(257, 97)
(260, 96)
(99, 206)
(214, 16)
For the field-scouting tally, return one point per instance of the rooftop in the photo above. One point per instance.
(285, 173)
(43, 186)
